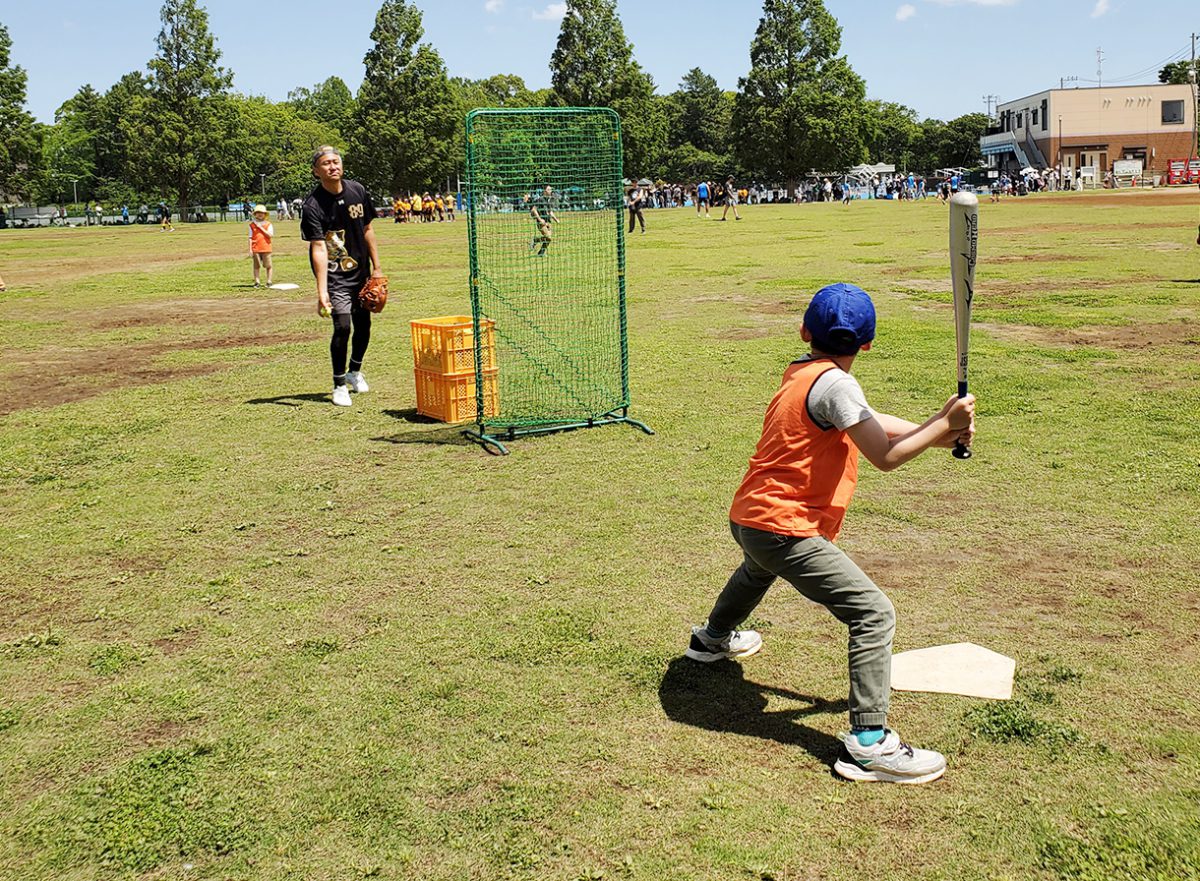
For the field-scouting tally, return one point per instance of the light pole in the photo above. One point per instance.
(75, 191)
(262, 183)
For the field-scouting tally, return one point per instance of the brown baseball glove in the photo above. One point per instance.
(373, 296)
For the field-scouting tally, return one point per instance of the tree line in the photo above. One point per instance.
(179, 131)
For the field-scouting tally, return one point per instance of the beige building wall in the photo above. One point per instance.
(1099, 126)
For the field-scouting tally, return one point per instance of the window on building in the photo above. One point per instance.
(1034, 118)
(1172, 113)
(1045, 114)
(1019, 120)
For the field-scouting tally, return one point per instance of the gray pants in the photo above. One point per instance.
(821, 572)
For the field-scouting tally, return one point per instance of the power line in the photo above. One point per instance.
(1154, 68)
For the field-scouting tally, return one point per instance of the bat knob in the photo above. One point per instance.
(961, 452)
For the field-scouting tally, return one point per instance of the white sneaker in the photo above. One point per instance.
(341, 396)
(357, 382)
(888, 761)
(738, 644)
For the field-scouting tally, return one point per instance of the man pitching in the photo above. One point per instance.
(336, 223)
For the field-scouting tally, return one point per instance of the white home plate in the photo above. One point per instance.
(961, 668)
(285, 286)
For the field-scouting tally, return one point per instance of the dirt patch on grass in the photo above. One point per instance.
(741, 333)
(157, 733)
(923, 285)
(62, 374)
(176, 642)
(1092, 228)
(51, 377)
(1133, 336)
(1036, 258)
(69, 269)
(248, 311)
(1185, 196)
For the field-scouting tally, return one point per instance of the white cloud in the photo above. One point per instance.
(1101, 8)
(905, 12)
(493, 6)
(552, 12)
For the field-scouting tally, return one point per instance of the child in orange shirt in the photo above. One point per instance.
(788, 512)
(262, 231)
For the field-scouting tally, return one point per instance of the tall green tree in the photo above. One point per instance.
(69, 148)
(330, 103)
(801, 106)
(892, 133)
(953, 144)
(698, 120)
(1179, 72)
(20, 136)
(593, 66)
(118, 178)
(402, 137)
(274, 155)
(700, 113)
(185, 129)
(501, 90)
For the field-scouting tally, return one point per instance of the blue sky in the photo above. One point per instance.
(938, 56)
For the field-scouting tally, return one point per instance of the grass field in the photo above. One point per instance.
(246, 634)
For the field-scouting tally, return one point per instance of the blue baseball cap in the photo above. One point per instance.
(841, 319)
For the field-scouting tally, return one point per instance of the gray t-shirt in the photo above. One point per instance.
(836, 400)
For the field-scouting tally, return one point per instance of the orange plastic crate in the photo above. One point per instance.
(447, 344)
(451, 397)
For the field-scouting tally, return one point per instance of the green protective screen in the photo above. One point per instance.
(559, 316)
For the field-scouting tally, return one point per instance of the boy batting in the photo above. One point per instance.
(788, 511)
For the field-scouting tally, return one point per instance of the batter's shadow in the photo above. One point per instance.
(718, 697)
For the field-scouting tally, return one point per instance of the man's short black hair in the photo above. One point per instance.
(324, 150)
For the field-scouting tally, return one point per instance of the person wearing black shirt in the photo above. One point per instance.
(336, 223)
(637, 198)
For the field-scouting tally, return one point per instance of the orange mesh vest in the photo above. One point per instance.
(801, 477)
(260, 242)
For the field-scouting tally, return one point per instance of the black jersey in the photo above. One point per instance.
(341, 220)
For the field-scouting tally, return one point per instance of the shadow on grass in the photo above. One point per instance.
(292, 400)
(443, 434)
(718, 697)
(1185, 281)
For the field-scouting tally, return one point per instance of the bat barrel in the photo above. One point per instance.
(964, 245)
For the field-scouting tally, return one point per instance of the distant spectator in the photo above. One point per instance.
(637, 197)
(731, 199)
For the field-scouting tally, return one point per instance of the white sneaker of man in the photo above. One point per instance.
(341, 396)
(357, 382)
(888, 761)
(736, 644)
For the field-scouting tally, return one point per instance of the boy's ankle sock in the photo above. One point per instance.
(714, 633)
(868, 735)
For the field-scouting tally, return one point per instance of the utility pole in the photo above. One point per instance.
(1099, 67)
(991, 101)
(1063, 80)
(1194, 79)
